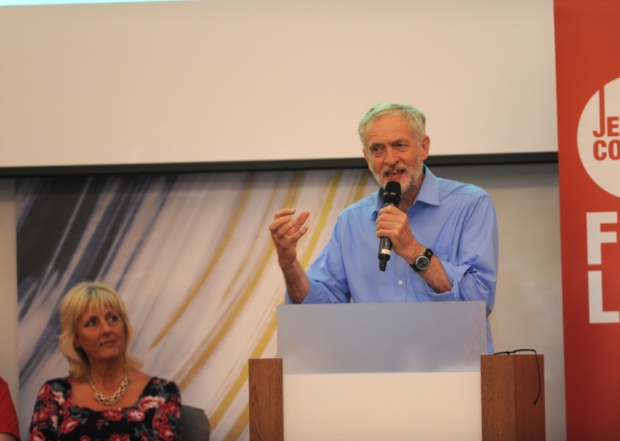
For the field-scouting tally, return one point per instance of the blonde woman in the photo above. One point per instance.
(106, 395)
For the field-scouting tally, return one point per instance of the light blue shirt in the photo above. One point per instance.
(457, 221)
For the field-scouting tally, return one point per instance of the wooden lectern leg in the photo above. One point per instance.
(510, 388)
(266, 399)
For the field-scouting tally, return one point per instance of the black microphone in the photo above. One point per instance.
(391, 196)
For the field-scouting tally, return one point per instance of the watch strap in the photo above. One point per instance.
(428, 254)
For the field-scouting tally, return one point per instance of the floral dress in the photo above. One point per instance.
(155, 415)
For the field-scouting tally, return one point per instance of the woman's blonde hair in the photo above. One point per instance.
(82, 298)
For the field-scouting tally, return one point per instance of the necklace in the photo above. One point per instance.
(109, 401)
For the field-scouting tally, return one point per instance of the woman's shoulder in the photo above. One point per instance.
(159, 383)
(56, 389)
(58, 384)
(158, 386)
(59, 380)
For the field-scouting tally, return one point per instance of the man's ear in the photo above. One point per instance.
(426, 144)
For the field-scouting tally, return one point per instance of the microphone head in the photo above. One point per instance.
(391, 195)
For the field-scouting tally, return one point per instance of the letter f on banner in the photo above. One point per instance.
(596, 239)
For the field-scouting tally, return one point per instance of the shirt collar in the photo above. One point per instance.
(429, 191)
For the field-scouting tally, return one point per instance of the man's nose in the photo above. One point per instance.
(390, 156)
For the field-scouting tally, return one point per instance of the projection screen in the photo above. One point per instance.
(237, 81)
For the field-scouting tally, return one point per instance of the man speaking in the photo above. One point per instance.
(436, 241)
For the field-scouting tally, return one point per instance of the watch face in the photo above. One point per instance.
(422, 262)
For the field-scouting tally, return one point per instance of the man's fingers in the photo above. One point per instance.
(283, 212)
(287, 230)
(303, 216)
(278, 222)
(298, 234)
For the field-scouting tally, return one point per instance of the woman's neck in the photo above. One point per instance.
(108, 375)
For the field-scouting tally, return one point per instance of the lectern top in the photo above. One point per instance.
(382, 337)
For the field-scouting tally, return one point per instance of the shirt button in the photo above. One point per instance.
(400, 282)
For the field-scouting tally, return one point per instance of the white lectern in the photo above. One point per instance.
(385, 371)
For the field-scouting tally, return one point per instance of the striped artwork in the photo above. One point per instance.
(192, 258)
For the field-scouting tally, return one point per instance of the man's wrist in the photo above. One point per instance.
(423, 261)
(287, 264)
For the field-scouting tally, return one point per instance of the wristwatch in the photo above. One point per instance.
(422, 262)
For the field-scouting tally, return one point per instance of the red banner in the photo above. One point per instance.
(587, 38)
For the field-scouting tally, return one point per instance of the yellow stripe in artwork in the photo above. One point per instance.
(243, 419)
(239, 425)
(220, 247)
(322, 221)
(358, 190)
(210, 343)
